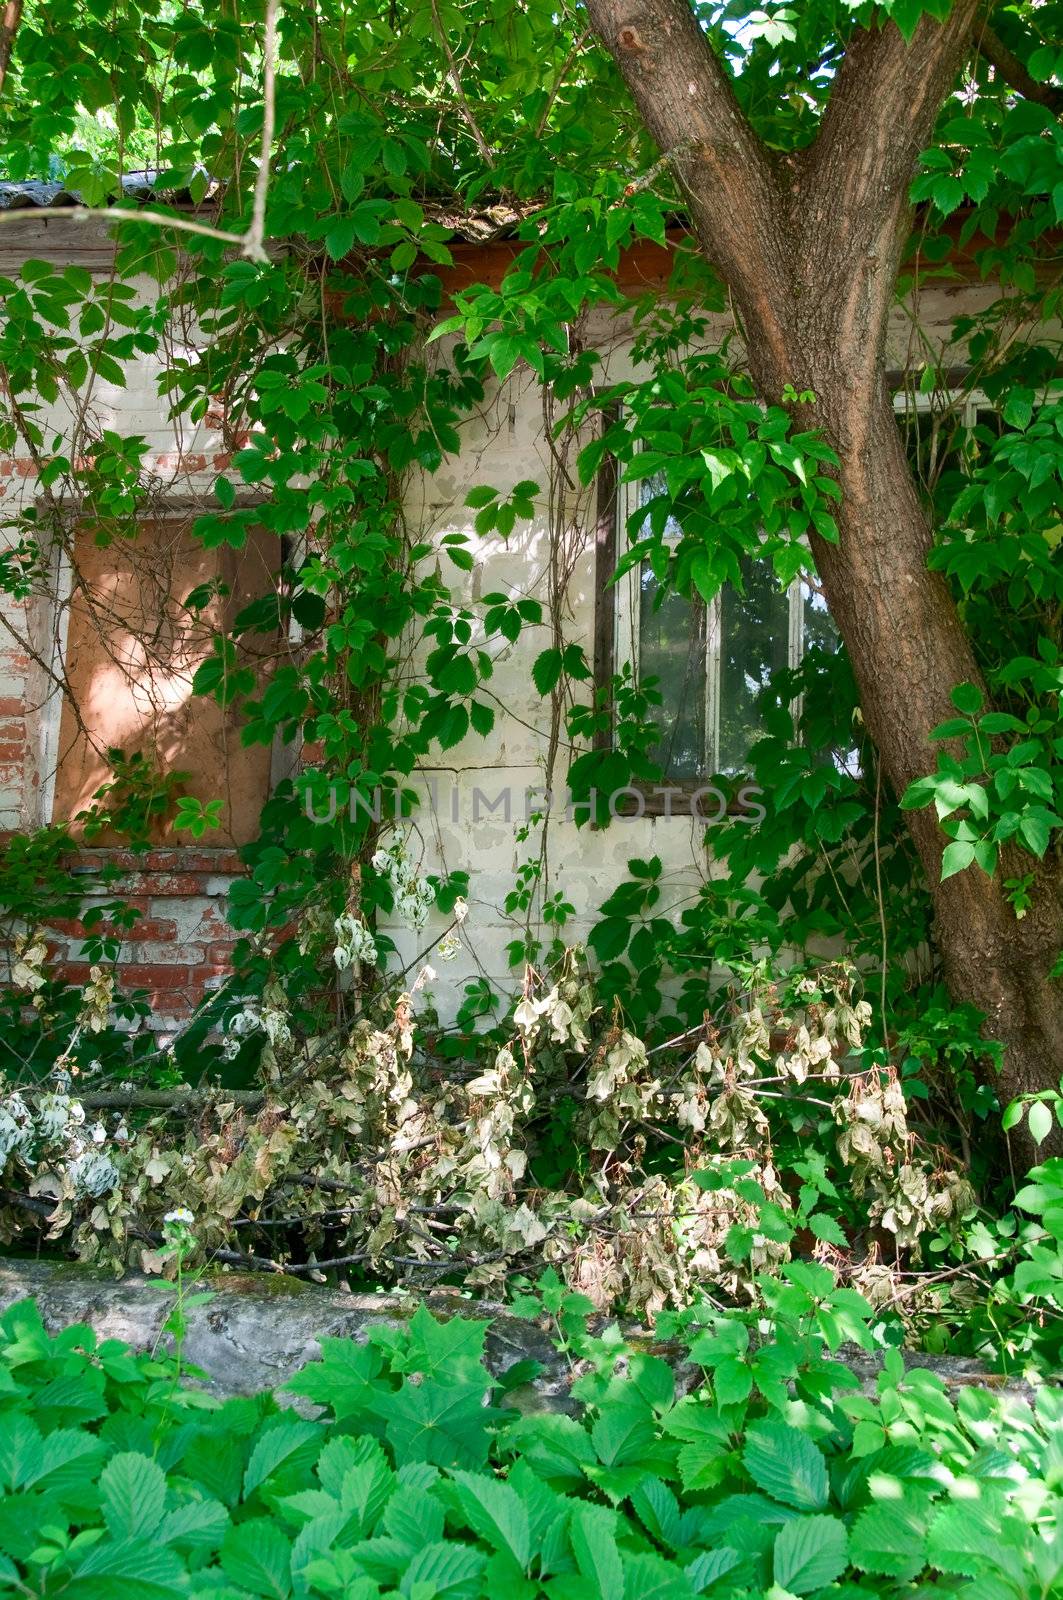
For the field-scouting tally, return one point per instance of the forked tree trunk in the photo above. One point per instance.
(810, 246)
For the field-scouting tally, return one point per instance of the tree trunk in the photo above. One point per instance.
(909, 649)
(811, 245)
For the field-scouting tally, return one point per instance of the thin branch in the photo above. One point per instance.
(558, 82)
(142, 214)
(156, 1099)
(254, 245)
(1014, 72)
(455, 80)
(685, 147)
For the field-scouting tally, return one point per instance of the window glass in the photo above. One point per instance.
(673, 640)
(818, 629)
(754, 643)
(712, 662)
(673, 648)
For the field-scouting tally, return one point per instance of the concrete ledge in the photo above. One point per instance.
(259, 1330)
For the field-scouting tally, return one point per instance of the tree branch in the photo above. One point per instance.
(180, 1099)
(10, 18)
(991, 46)
(880, 115)
(254, 239)
(684, 95)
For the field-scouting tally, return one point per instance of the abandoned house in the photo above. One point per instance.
(75, 688)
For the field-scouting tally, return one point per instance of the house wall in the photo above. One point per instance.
(181, 946)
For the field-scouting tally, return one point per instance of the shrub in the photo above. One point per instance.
(764, 1472)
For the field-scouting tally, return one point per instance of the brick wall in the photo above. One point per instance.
(180, 946)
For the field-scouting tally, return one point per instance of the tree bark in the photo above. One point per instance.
(10, 18)
(810, 245)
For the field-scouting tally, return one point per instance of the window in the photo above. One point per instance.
(946, 432)
(711, 661)
(130, 653)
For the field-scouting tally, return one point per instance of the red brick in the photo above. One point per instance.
(222, 953)
(180, 859)
(146, 975)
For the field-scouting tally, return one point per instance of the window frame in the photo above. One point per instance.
(617, 609)
(616, 624)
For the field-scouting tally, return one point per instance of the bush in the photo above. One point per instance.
(755, 1467)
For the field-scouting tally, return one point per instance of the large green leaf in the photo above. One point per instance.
(786, 1465)
(496, 1512)
(890, 1538)
(133, 1496)
(276, 1445)
(256, 1556)
(142, 1568)
(450, 1349)
(449, 1570)
(810, 1552)
(445, 1423)
(593, 1534)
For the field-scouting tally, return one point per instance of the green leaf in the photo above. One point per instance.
(887, 1539)
(621, 1435)
(200, 1525)
(255, 1555)
(132, 1495)
(1013, 1115)
(446, 1348)
(481, 496)
(650, 1577)
(546, 671)
(447, 1570)
(710, 1565)
(274, 1446)
(966, 697)
(339, 240)
(828, 1229)
(592, 1531)
(609, 937)
(732, 1381)
(140, 1568)
(786, 1465)
(810, 1552)
(1039, 1119)
(445, 1423)
(658, 1511)
(496, 1512)
(963, 1539)
(956, 857)
(554, 1446)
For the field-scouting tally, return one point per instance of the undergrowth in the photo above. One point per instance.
(752, 1465)
(647, 1174)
